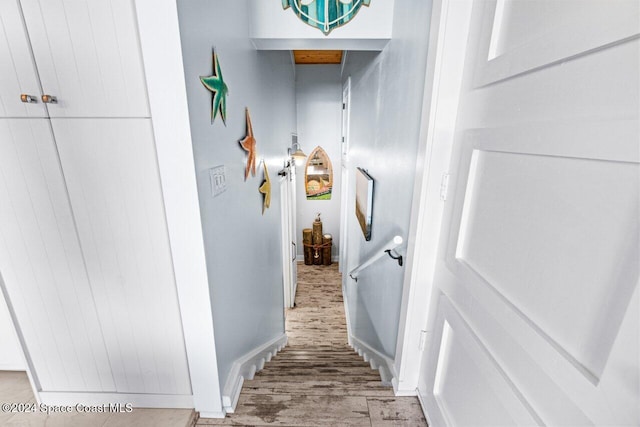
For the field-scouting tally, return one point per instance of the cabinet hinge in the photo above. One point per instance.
(444, 186)
(344, 106)
(423, 339)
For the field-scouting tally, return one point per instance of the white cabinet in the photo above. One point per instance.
(18, 74)
(84, 249)
(42, 264)
(114, 187)
(11, 356)
(88, 56)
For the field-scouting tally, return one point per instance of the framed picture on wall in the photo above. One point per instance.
(364, 201)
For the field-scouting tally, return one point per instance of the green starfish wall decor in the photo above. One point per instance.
(326, 15)
(215, 83)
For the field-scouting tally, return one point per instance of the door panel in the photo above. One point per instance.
(12, 356)
(467, 373)
(88, 56)
(519, 36)
(540, 250)
(42, 264)
(289, 242)
(344, 170)
(510, 214)
(286, 239)
(114, 187)
(292, 232)
(18, 73)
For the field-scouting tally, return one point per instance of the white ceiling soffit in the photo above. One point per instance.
(273, 28)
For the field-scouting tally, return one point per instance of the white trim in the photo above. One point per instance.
(162, 57)
(28, 365)
(347, 282)
(345, 127)
(422, 401)
(184, 401)
(246, 367)
(334, 258)
(285, 240)
(212, 414)
(439, 112)
(330, 43)
(343, 62)
(377, 360)
(13, 367)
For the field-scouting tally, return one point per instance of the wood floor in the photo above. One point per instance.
(318, 380)
(15, 388)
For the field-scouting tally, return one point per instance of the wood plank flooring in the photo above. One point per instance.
(318, 380)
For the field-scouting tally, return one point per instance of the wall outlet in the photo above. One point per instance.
(218, 178)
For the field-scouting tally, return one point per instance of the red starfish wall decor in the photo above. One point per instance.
(249, 145)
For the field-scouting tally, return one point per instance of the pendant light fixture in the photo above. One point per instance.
(295, 152)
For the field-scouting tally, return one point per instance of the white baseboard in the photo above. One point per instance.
(13, 367)
(246, 367)
(377, 360)
(137, 400)
(400, 392)
(423, 405)
(334, 258)
(212, 414)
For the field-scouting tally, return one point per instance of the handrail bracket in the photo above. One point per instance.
(398, 257)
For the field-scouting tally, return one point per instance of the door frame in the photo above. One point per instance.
(284, 233)
(344, 170)
(450, 21)
(164, 72)
(288, 233)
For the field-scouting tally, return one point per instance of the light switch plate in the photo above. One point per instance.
(218, 178)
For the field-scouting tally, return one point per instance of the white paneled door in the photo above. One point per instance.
(88, 56)
(535, 310)
(84, 247)
(114, 186)
(18, 75)
(289, 245)
(42, 265)
(12, 356)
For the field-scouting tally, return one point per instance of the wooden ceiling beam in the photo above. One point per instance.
(317, 56)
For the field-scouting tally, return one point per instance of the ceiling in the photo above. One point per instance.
(317, 56)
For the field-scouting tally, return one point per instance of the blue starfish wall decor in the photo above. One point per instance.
(326, 15)
(215, 83)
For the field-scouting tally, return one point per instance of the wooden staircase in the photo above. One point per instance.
(318, 371)
(317, 379)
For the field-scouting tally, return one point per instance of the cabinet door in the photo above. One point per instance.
(112, 175)
(17, 71)
(88, 56)
(42, 266)
(11, 356)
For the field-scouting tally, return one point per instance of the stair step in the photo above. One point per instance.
(359, 373)
(343, 387)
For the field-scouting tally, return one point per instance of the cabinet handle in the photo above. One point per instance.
(48, 99)
(29, 99)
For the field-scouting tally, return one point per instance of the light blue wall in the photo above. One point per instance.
(242, 246)
(386, 102)
(319, 106)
